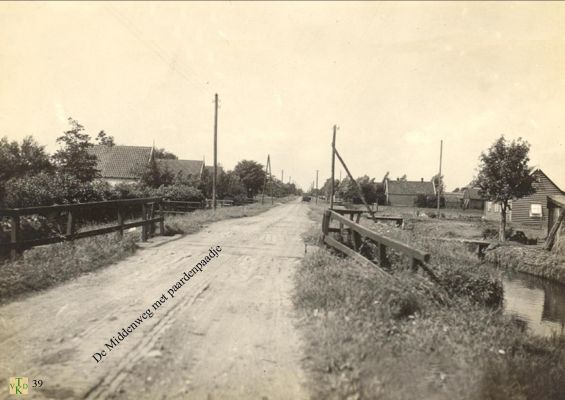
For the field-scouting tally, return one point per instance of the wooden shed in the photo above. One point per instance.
(405, 193)
(536, 211)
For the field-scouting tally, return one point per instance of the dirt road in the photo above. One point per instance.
(227, 333)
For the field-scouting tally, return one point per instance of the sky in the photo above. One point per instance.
(396, 78)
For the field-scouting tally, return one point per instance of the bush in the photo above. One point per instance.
(479, 286)
(46, 189)
(181, 192)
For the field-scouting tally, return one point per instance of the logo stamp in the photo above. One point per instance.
(19, 385)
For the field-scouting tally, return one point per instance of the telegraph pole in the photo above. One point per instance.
(333, 171)
(316, 186)
(215, 151)
(439, 176)
(282, 175)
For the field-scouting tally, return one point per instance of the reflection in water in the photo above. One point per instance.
(537, 302)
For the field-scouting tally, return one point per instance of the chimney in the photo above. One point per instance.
(421, 179)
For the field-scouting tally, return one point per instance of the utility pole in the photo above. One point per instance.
(439, 180)
(316, 186)
(282, 175)
(333, 171)
(215, 151)
(268, 176)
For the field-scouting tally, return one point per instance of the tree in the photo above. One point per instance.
(326, 189)
(74, 158)
(104, 139)
(164, 154)
(20, 160)
(504, 175)
(27, 158)
(439, 183)
(151, 175)
(252, 176)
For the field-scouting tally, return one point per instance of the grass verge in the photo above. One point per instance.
(43, 267)
(368, 339)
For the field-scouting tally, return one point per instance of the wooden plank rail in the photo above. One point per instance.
(417, 257)
(17, 245)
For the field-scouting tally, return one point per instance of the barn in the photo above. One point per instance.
(405, 193)
(472, 198)
(537, 211)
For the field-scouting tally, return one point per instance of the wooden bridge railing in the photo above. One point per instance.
(148, 219)
(358, 232)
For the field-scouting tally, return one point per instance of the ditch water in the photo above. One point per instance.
(537, 302)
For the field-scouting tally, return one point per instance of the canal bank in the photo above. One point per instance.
(533, 260)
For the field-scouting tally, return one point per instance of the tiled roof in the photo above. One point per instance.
(410, 187)
(120, 161)
(184, 167)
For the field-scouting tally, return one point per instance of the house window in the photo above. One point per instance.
(489, 206)
(535, 210)
(497, 207)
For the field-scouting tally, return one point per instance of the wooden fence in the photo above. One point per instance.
(148, 210)
(357, 233)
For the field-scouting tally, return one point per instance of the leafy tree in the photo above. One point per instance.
(74, 158)
(326, 188)
(346, 189)
(104, 139)
(504, 175)
(164, 154)
(153, 176)
(439, 183)
(252, 176)
(19, 160)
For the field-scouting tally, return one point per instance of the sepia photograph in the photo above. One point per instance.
(282, 200)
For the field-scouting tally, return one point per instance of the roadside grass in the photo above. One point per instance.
(370, 339)
(196, 220)
(46, 266)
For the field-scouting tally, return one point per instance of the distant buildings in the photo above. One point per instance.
(119, 163)
(472, 198)
(405, 193)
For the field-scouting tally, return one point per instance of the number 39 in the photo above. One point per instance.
(37, 383)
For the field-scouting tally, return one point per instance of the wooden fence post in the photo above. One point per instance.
(15, 237)
(162, 222)
(144, 225)
(326, 223)
(120, 223)
(383, 260)
(70, 225)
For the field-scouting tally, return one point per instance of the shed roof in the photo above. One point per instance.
(410, 187)
(120, 161)
(473, 193)
(184, 167)
(557, 199)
